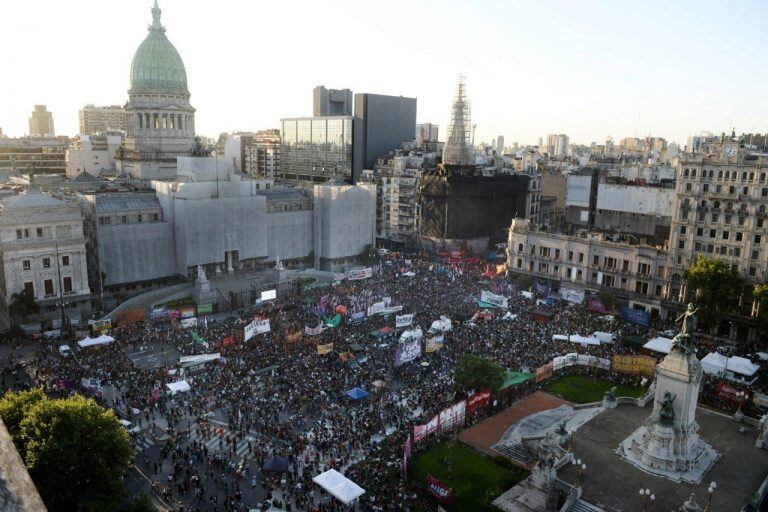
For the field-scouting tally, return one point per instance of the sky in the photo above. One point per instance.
(589, 69)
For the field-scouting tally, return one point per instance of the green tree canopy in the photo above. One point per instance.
(75, 451)
(475, 372)
(718, 286)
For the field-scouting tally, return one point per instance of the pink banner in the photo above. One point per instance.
(478, 400)
(419, 432)
(439, 490)
(433, 424)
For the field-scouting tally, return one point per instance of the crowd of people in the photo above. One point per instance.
(275, 395)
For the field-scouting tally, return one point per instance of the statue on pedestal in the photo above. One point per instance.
(667, 412)
(684, 342)
(201, 277)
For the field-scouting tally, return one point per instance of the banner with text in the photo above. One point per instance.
(434, 344)
(439, 490)
(407, 351)
(361, 273)
(453, 416)
(403, 320)
(635, 365)
(492, 298)
(324, 349)
(478, 400)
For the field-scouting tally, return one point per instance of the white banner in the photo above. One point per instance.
(403, 320)
(453, 416)
(492, 298)
(575, 296)
(256, 327)
(376, 308)
(269, 295)
(360, 273)
(392, 309)
(186, 323)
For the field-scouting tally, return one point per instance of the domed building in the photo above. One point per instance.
(161, 121)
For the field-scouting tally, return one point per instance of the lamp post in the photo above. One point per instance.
(647, 496)
(741, 396)
(710, 492)
(580, 468)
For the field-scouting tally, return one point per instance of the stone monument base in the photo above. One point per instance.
(652, 449)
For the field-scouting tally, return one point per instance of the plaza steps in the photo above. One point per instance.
(584, 506)
(516, 452)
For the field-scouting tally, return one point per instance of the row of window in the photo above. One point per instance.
(25, 233)
(125, 219)
(608, 262)
(29, 287)
(731, 190)
(164, 121)
(725, 175)
(46, 263)
(714, 218)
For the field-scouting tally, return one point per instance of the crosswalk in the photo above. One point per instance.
(214, 444)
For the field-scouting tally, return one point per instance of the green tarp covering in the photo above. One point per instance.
(513, 378)
(198, 339)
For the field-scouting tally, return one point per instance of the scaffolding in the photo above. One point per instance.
(458, 149)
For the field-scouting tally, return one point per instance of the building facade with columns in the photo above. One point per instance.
(43, 251)
(160, 121)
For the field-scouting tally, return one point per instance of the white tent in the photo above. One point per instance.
(92, 342)
(178, 387)
(527, 295)
(659, 344)
(714, 363)
(186, 361)
(560, 337)
(509, 316)
(742, 366)
(341, 487)
(444, 324)
(583, 340)
(604, 337)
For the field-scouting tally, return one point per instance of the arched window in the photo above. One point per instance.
(141, 121)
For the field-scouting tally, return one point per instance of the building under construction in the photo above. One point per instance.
(461, 207)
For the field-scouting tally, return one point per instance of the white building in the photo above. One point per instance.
(397, 179)
(44, 254)
(94, 154)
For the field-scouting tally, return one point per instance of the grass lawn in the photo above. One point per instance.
(583, 389)
(476, 479)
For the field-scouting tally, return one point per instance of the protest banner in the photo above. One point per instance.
(403, 320)
(635, 316)
(544, 372)
(433, 425)
(324, 349)
(635, 365)
(453, 416)
(314, 331)
(439, 490)
(187, 323)
(434, 344)
(361, 273)
(493, 299)
(478, 400)
(419, 432)
(408, 351)
(376, 308)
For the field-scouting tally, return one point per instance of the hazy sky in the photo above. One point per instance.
(586, 68)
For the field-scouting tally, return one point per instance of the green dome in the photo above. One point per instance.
(157, 66)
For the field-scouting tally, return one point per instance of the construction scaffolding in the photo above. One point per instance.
(458, 149)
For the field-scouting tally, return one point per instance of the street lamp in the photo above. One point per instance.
(741, 395)
(580, 468)
(647, 496)
(710, 492)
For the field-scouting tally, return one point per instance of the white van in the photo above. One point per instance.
(131, 427)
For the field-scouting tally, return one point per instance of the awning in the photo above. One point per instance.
(276, 464)
(583, 340)
(659, 344)
(714, 363)
(339, 486)
(513, 378)
(356, 393)
(742, 366)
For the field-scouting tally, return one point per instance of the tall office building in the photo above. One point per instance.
(500, 145)
(457, 149)
(41, 122)
(426, 132)
(38, 155)
(95, 119)
(316, 149)
(331, 102)
(557, 145)
(261, 153)
(385, 123)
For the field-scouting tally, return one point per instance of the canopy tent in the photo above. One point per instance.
(383, 334)
(187, 361)
(560, 337)
(659, 344)
(443, 324)
(276, 464)
(514, 378)
(714, 363)
(356, 393)
(583, 340)
(339, 486)
(604, 337)
(93, 342)
(742, 366)
(178, 387)
(763, 356)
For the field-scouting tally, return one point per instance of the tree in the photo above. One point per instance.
(369, 255)
(140, 503)
(75, 451)
(475, 372)
(760, 295)
(22, 305)
(717, 286)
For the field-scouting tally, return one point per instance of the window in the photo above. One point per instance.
(581, 257)
(29, 289)
(65, 261)
(737, 251)
(682, 230)
(579, 275)
(46, 262)
(752, 271)
(557, 254)
(739, 236)
(758, 239)
(755, 255)
(715, 217)
(124, 219)
(155, 217)
(39, 232)
(705, 188)
(681, 244)
(712, 233)
(660, 271)
(726, 234)
(104, 221)
(26, 265)
(700, 232)
(687, 187)
(67, 285)
(519, 247)
(570, 255)
(138, 218)
(595, 260)
(764, 192)
(19, 234)
(48, 284)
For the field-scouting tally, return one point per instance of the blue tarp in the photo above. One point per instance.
(276, 464)
(635, 316)
(357, 393)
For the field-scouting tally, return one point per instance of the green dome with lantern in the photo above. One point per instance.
(157, 66)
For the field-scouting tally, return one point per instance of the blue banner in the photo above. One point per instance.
(635, 316)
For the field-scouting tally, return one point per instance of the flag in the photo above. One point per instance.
(198, 339)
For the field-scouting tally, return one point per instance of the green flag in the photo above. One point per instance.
(198, 339)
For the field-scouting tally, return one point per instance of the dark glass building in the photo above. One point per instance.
(316, 149)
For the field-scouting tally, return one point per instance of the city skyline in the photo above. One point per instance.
(663, 70)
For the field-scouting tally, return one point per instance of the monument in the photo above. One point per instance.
(203, 294)
(668, 444)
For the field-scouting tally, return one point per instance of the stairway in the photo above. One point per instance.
(583, 506)
(517, 452)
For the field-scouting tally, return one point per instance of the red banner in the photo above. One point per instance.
(478, 400)
(729, 392)
(419, 432)
(439, 490)
(543, 372)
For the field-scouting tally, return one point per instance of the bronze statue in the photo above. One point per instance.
(667, 412)
(688, 320)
